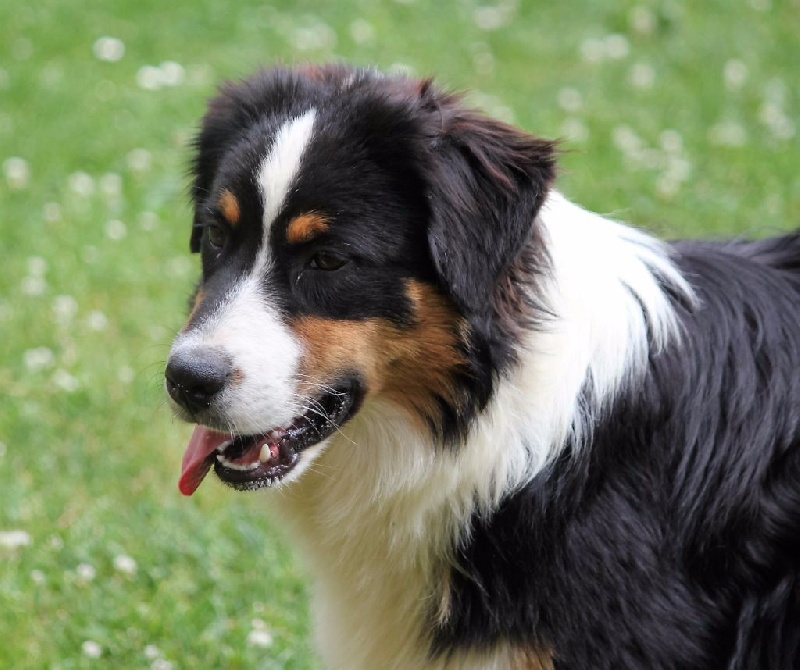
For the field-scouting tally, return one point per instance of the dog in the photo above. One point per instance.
(504, 431)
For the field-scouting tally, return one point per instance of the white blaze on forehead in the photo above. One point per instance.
(246, 325)
(279, 169)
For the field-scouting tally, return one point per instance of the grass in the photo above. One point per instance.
(683, 121)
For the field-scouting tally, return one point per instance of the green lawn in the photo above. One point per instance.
(684, 121)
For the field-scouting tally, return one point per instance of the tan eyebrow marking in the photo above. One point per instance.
(305, 227)
(229, 206)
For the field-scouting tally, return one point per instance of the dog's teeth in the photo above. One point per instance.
(265, 454)
(242, 467)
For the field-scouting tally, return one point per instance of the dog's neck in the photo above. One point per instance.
(381, 511)
(377, 518)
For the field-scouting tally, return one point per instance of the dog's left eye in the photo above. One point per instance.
(326, 260)
(216, 236)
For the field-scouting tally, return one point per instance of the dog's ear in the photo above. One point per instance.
(228, 116)
(487, 184)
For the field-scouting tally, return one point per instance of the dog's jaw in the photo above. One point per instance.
(248, 462)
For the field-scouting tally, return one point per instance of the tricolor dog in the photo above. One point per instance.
(506, 432)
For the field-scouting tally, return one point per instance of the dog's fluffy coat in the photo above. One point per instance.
(553, 441)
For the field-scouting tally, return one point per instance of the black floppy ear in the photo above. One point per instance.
(228, 116)
(487, 184)
(197, 237)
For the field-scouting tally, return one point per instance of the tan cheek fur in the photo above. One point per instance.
(411, 366)
(532, 660)
(198, 300)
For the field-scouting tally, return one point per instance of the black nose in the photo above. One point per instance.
(196, 375)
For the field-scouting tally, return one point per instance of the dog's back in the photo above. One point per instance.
(676, 529)
(780, 252)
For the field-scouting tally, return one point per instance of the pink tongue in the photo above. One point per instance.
(198, 457)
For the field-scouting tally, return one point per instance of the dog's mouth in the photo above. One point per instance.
(249, 462)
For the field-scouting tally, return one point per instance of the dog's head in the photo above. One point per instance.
(362, 237)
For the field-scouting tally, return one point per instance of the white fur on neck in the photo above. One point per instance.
(381, 508)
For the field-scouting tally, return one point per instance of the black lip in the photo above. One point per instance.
(325, 417)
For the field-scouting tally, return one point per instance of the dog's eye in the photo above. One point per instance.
(217, 236)
(327, 260)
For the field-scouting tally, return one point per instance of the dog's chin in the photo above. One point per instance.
(261, 460)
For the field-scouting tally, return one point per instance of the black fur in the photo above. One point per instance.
(413, 184)
(672, 538)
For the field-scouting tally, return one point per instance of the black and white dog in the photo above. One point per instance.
(506, 432)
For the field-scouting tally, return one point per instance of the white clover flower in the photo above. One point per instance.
(570, 99)
(17, 172)
(362, 31)
(148, 220)
(402, 69)
(172, 73)
(179, 266)
(484, 62)
(108, 49)
(727, 133)
(574, 130)
(139, 160)
(200, 75)
(671, 141)
(616, 46)
(91, 649)
(33, 285)
(678, 169)
(489, 18)
(593, 50)
(642, 20)
(149, 78)
(626, 139)
(124, 564)
(116, 229)
(259, 638)
(317, 36)
(14, 539)
(735, 74)
(38, 358)
(64, 308)
(52, 212)
(81, 184)
(65, 381)
(151, 652)
(37, 266)
(111, 185)
(642, 76)
(90, 254)
(85, 572)
(666, 186)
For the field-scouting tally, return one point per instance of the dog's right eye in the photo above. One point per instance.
(217, 236)
(327, 261)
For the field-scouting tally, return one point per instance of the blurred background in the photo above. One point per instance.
(679, 117)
